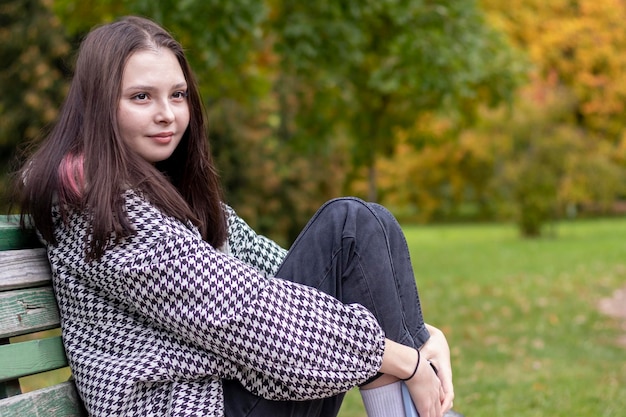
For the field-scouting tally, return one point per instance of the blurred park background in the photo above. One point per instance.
(493, 129)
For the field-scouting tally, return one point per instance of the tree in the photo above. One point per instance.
(581, 43)
(576, 50)
(382, 63)
(529, 162)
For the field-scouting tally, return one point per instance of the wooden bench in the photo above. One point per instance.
(28, 312)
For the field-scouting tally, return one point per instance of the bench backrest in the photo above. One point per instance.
(28, 306)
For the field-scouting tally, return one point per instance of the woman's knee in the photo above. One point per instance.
(344, 202)
(353, 214)
(385, 215)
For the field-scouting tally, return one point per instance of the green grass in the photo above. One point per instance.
(521, 317)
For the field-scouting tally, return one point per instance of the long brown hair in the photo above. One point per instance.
(85, 148)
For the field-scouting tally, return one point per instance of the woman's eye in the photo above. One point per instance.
(179, 95)
(140, 96)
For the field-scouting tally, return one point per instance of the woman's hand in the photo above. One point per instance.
(399, 362)
(426, 390)
(437, 351)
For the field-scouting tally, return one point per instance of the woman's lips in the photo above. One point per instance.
(162, 138)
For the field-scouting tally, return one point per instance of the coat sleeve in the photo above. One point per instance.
(249, 247)
(285, 341)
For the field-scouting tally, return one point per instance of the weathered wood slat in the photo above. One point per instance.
(27, 311)
(12, 237)
(12, 387)
(57, 401)
(24, 268)
(27, 305)
(27, 358)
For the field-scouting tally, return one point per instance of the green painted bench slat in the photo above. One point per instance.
(27, 311)
(59, 400)
(11, 237)
(31, 357)
(24, 268)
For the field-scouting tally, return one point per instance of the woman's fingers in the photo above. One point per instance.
(426, 391)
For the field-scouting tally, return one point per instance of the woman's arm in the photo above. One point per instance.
(280, 339)
(249, 247)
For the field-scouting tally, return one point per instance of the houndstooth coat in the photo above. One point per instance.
(153, 326)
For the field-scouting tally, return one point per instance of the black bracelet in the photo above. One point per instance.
(419, 356)
(434, 367)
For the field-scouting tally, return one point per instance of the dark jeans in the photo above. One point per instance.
(356, 252)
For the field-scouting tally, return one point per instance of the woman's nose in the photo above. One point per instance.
(165, 113)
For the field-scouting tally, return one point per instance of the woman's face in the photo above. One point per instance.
(153, 112)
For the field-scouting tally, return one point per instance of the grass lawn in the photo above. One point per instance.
(522, 318)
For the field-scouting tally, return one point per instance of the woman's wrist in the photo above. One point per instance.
(399, 360)
(417, 364)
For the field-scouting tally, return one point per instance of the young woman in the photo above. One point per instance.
(170, 303)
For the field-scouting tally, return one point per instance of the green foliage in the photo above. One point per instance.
(221, 37)
(447, 178)
(388, 61)
(529, 164)
(269, 181)
(547, 166)
(33, 51)
(422, 52)
(80, 17)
